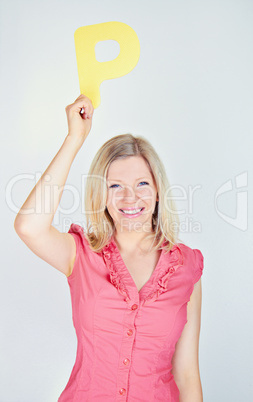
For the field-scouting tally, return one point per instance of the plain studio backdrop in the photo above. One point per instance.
(191, 96)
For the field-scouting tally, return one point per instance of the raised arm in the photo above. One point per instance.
(32, 223)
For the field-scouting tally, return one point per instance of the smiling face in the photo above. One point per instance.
(132, 194)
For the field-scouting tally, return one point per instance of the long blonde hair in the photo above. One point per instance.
(100, 226)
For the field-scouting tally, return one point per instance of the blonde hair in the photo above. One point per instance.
(100, 226)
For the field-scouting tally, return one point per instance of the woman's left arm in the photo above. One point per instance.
(185, 360)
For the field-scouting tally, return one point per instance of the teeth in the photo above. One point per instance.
(132, 212)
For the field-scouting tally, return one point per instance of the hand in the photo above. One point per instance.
(79, 124)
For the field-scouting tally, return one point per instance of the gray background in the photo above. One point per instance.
(191, 96)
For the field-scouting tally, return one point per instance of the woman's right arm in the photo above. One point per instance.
(33, 222)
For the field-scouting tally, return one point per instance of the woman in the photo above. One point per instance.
(135, 291)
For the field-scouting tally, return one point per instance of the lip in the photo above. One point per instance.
(133, 215)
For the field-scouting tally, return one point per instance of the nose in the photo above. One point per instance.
(129, 193)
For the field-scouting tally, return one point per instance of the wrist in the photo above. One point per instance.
(74, 142)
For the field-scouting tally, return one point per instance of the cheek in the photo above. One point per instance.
(147, 194)
(112, 198)
(108, 199)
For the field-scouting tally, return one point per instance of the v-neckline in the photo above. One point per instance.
(157, 284)
(153, 275)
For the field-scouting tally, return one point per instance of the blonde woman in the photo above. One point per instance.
(135, 289)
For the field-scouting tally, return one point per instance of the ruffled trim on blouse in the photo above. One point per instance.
(157, 284)
(114, 271)
(169, 267)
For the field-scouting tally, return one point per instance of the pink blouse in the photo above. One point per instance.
(125, 338)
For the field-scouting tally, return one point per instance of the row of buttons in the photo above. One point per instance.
(126, 361)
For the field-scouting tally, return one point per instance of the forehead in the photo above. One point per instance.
(129, 167)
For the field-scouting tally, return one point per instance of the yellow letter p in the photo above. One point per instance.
(92, 72)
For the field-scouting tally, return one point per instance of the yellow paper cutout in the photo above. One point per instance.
(92, 72)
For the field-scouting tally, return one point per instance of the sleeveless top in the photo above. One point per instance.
(126, 339)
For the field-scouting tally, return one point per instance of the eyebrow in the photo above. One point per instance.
(146, 178)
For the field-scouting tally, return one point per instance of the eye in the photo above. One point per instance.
(113, 185)
(144, 182)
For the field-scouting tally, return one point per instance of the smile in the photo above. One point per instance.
(132, 212)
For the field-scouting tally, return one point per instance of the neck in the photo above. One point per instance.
(132, 241)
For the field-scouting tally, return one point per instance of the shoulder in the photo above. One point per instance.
(189, 252)
(80, 236)
(194, 259)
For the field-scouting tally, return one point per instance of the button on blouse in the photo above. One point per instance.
(126, 339)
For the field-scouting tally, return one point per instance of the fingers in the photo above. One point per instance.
(83, 106)
(81, 97)
(84, 114)
(86, 107)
